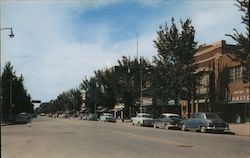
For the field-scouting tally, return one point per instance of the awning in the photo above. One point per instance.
(201, 101)
(102, 110)
(116, 110)
(167, 103)
(111, 110)
(119, 106)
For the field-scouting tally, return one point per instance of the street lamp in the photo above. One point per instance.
(11, 31)
(11, 36)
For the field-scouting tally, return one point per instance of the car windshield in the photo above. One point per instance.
(174, 117)
(212, 116)
(148, 116)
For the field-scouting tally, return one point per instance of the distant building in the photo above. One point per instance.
(221, 88)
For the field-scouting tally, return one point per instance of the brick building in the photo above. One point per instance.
(221, 87)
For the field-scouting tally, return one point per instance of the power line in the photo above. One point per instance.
(63, 57)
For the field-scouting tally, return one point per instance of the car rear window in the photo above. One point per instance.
(212, 116)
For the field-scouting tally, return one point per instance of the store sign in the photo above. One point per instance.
(147, 101)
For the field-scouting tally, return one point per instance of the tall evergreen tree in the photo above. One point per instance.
(15, 97)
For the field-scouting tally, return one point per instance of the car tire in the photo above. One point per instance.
(155, 126)
(166, 127)
(183, 128)
(203, 129)
(133, 124)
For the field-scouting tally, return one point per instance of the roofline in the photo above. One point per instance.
(212, 47)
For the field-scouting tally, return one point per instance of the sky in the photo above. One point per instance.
(58, 43)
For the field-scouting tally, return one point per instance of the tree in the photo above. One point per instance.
(241, 50)
(130, 73)
(93, 93)
(70, 100)
(119, 84)
(15, 97)
(174, 63)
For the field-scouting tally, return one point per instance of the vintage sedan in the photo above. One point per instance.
(22, 117)
(91, 117)
(107, 117)
(203, 122)
(142, 119)
(167, 121)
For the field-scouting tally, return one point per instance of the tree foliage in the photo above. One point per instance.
(241, 50)
(174, 63)
(70, 100)
(119, 84)
(15, 96)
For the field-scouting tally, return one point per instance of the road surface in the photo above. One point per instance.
(72, 138)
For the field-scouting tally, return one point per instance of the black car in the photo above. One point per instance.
(203, 122)
(167, 120)
(22, 117)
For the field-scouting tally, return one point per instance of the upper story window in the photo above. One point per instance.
(235, 74)
(238, 74)
(205, 80)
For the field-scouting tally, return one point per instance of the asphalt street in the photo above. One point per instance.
(72, 138)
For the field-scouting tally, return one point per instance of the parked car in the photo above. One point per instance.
(142, 119)
(22, 117)
(34, 115)
(167, 121)
(82, 116)
(203, 122)
(91, 117)
(107, 117)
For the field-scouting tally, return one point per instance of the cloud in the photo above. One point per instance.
(213, 20)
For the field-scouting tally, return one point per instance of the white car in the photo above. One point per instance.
(143, 119)
(107, 117)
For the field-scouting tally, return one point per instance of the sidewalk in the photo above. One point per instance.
(240, 128)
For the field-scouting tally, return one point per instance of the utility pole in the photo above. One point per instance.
(140, 74)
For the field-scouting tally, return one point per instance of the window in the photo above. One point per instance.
(238, 74)
(196, 115)
(235, 74)
(231, 74)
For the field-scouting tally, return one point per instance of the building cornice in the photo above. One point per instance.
(212, 47)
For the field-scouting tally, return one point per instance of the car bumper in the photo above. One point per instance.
(111, 120)
(174, 126)
(218, 128)
(148, 123)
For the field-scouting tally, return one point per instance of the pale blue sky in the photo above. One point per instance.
(58, 43)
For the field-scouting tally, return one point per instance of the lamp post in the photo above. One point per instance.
(140, 74)
(11, 36)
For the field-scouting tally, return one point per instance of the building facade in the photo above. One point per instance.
(221, 88)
